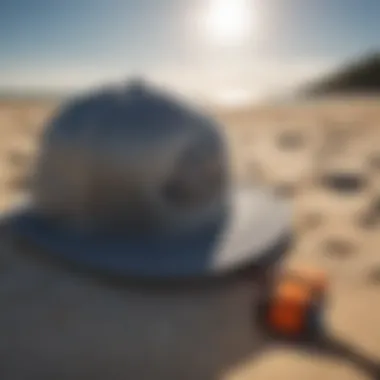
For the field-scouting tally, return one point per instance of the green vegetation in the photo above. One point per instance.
(362, 76)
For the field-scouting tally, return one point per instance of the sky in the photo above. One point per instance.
(223, 50)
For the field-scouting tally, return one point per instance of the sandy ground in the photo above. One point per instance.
(293, 148)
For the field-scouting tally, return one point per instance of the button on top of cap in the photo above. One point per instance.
(136, 86)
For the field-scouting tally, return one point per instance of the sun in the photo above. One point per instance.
(230, 21)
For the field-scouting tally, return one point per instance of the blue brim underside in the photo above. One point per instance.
(185, 255)
(262, 237)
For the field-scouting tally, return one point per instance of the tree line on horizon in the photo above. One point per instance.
(361, 76)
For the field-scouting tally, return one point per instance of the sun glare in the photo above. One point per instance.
(230, 21)
(233, 97)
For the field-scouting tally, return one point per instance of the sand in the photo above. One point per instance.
(299, 149)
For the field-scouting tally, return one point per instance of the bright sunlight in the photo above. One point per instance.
(230, 21)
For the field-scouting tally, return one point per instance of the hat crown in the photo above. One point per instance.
(131, 156)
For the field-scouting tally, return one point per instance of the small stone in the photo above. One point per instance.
(290, 140)
(345, 183)
(18, 159)
(339, 249)
(374, 276)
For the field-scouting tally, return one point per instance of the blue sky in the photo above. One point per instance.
(74, 44)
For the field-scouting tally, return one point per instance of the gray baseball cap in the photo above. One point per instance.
(133, 181)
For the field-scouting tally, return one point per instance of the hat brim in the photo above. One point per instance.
(256, 231)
